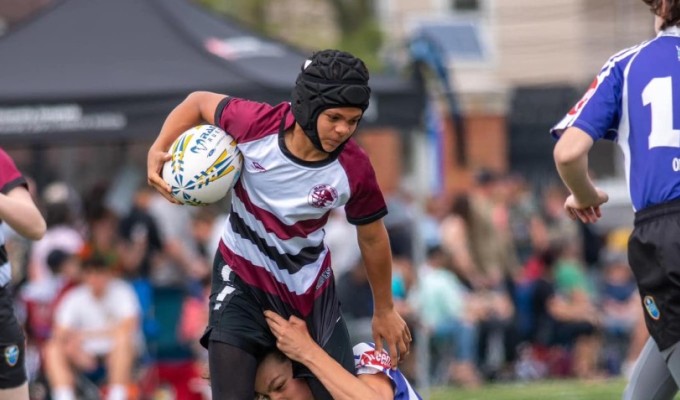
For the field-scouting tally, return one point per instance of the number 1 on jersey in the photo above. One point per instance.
(659, 94)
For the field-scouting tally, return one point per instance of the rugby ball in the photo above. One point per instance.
(204, 167)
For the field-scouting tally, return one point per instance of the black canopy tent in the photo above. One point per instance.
(110, 70)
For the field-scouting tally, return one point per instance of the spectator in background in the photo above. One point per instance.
(341, 239)
(17, 210)
(140, 239)
(179, 247)
(400, 222)
(203, 221)
(356, 302)
(456, 240)
(404, 279)
(95, 333)
(618, 295)
(620, 304)
(565, 315)
(442, 303)
(525, 222)
(484, 263)
(62, 214)
(559, 227)
(429, 223)
(65, 269)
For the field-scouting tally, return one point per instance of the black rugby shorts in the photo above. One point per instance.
(654, 256)
(12, 346)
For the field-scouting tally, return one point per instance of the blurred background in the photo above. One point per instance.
(498, 285)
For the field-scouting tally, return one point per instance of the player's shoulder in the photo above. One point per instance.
(354, 159)
(248, 120)
(623, 56)
(5, 159)
(353, 150)
(366, 357)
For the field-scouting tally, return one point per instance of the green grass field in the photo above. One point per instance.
(546, 390)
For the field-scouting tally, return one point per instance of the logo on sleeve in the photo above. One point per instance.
(322, 196)
(651, 307)
(12, 355)
(369, 359)
(258, 167)
(589, 93)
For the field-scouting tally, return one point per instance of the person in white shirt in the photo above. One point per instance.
(96, 327)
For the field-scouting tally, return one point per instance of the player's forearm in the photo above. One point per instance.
(374, 244)
(575, 176)
(340, 383)
(184, 116)
(378, 263)
(571, 160)
(20, 213)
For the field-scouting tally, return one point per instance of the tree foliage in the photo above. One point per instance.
(360, 32)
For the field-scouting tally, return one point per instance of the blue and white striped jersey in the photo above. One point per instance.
(635, 100)
(366, 362)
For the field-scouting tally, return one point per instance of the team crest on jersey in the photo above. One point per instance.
(382, 360)
(651, 307)
(678, 49)
(12, 355)
(322, 196)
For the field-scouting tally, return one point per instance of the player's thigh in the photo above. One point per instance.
(236, 316)
(232, 372)
(339, 346)
(17, 393)
(651, 379)
(653, 252)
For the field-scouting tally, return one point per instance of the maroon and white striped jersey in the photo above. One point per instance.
(274, 238)
(10, 177)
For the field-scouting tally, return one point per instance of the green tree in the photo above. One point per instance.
(360, 32)
(250, 12)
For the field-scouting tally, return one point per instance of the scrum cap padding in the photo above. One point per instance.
(331, 78)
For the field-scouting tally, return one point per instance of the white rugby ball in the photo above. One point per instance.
(204, 167)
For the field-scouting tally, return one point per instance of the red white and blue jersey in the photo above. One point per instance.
(635, 100)
(366, 362)
(274, 238)
(10, 177)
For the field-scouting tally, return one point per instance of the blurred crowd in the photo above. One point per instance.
(508, 287)
(496, 283)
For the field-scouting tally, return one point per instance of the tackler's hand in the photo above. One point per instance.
(292, 335)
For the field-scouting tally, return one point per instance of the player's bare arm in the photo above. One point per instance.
(293, 339)
(571, 160)
(19, 211)
(197, 108)
(387, 323)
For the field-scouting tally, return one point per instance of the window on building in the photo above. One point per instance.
(460, 40)
(465, 5)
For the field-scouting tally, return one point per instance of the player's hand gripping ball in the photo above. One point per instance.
(204, 167)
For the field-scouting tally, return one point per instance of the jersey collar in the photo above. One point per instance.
(670, 31)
